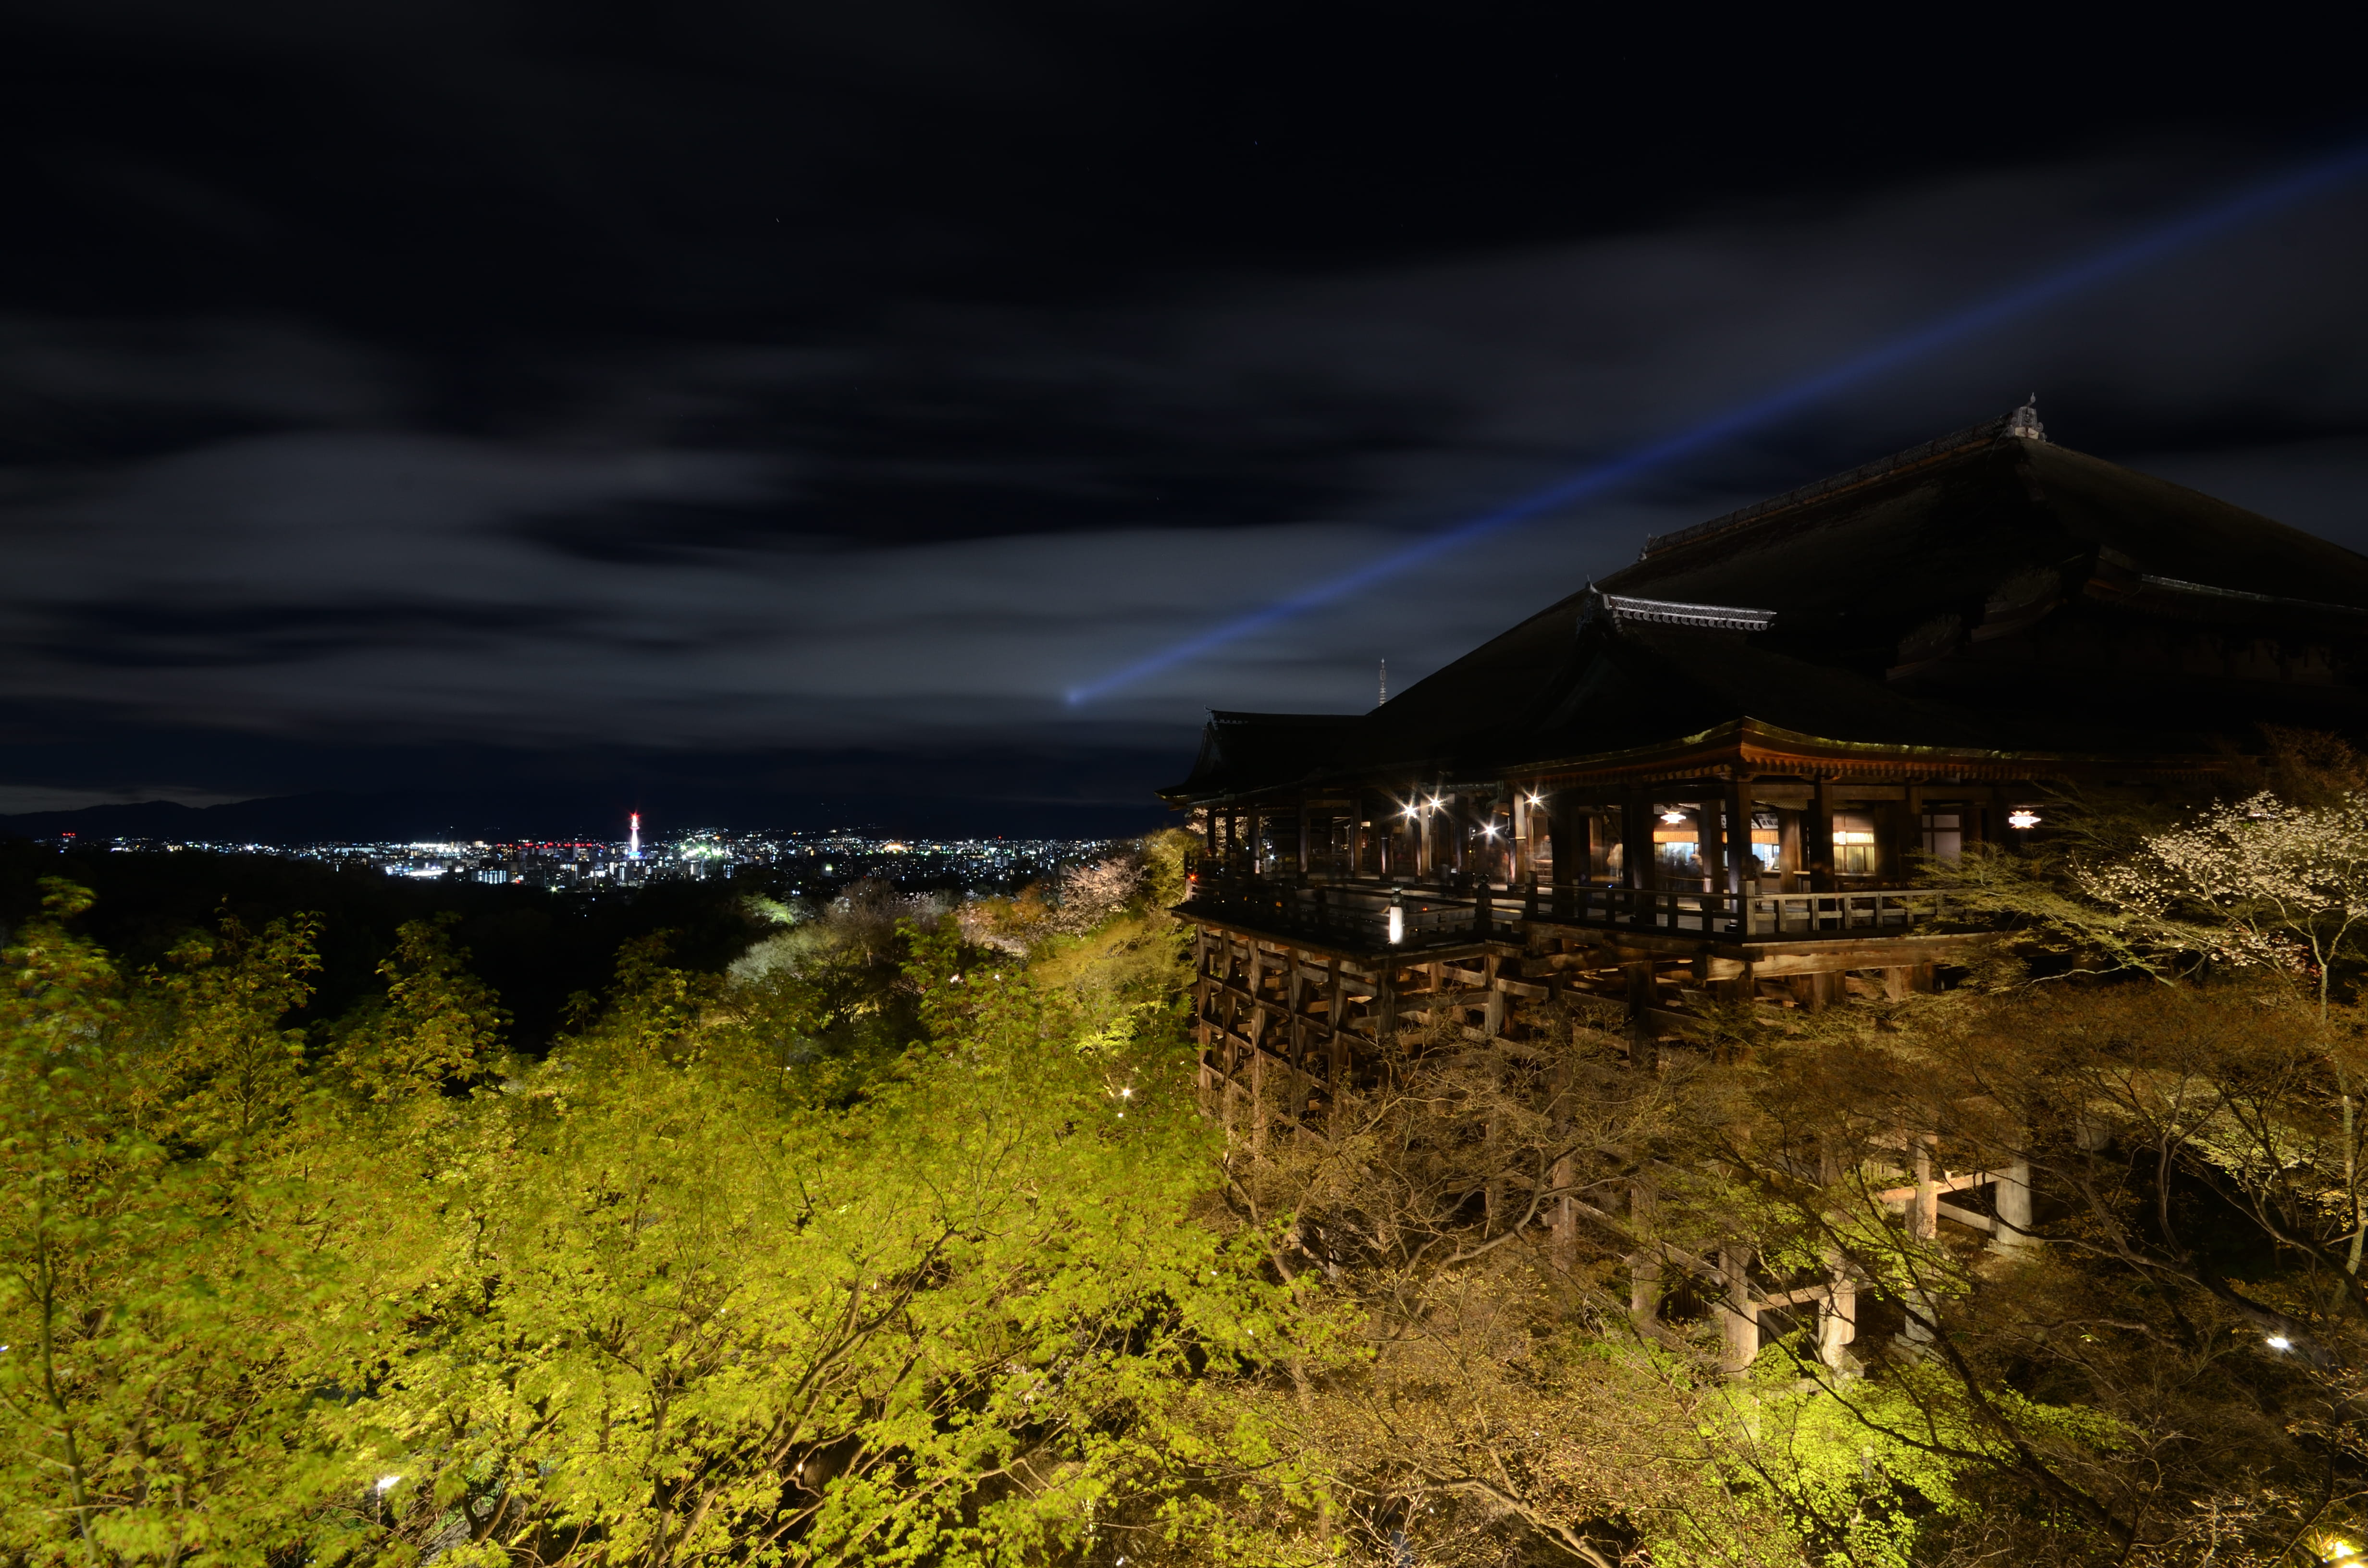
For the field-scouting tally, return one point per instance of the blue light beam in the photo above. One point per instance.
(2192, 229)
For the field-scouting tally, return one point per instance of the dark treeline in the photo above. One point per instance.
(537, 949)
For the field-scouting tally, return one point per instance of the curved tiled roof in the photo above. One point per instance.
(1990, 589)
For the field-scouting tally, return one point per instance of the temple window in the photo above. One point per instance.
(1854, 845)
(1944, 837)
(1767, 841)
(1676, 845)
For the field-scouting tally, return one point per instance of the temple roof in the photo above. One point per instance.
(1990, 591)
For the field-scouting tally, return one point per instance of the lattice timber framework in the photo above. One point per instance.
(1283, 1025)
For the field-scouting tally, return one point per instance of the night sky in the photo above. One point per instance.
(760, 414)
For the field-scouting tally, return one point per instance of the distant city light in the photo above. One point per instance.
(968, 867)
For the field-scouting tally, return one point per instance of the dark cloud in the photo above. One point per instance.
(507, 394)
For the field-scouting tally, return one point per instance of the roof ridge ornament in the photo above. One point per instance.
(1622, 607)
(2024, 421)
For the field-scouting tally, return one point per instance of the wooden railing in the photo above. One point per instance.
(1429, 916)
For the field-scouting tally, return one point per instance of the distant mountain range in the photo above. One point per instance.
(298, 819)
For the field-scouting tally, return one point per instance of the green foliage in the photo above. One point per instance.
(154, 1386)
(886, 1251)
(689, 1312)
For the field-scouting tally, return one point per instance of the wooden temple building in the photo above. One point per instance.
(1720, 771)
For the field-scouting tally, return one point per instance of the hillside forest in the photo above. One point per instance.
(894, 1231)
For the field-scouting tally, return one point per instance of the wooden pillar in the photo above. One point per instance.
(1643, 997)
(1924, 1219)
(1636, 839)
(1519, 860)
(2010, 1199)
(1838, 1316)
(1907, 840)
(1251, 857)
(1739, 1314)
(1458, 833)
(1258, 1101)
(1817, 838)
(1645, 1262)
(1209, 826)
(1568, 838)
(1742, 865)
(1561, 1225)
(1710, 841)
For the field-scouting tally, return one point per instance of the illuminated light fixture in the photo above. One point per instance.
(1490, 831)
(1397, 925)
(2023, 819)
(1412, 811)
(1673, 818)
(1434, 802)
(2280, 1342)
(1537, 800)
(2076, 275)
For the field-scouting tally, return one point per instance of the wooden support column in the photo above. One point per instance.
(1907, 840)
(1643, 998)
(1294, 1000)
(1568, 837)
(1636, 839)
(1562, 1222)
(1645, 1262)
(1306, 828)
(1710, 841)
(1838, 1316)
(1251, 829)
(1739, 1314)
(1742, 865)
(1518, 859)
(1924, 1219)
(1257, 1102)
(2010, 1199)
(1817, 837)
